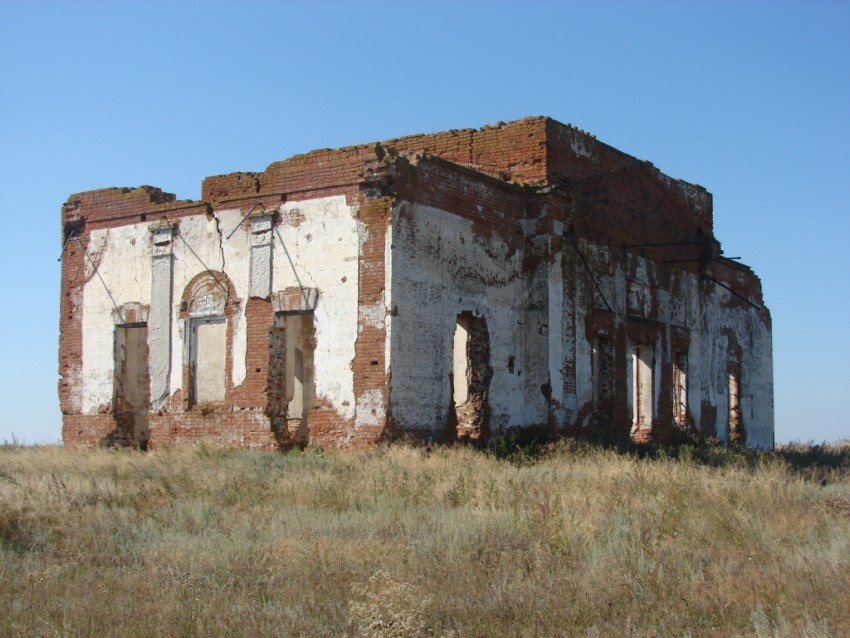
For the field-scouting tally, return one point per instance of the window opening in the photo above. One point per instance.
(292, 374)
(680, 387)
(470, 376)
(736, 427)
(131, 384)
(461, 362)
(603, 377)
(299, 354)
(208, 361)
(642, 385)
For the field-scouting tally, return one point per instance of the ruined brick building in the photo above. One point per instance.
(454, 285)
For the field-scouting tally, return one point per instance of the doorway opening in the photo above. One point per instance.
(643, 368)
(602, 367)
(207, 364)
(131, 384)
(470, 376)
(292, 374)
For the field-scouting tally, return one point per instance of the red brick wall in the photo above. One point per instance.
(254, 389)
(369, 364)
(495, 208)
(71, 328)
(515, 151)
(87, 430)
(739, 278)
(220, 426)
(310, 175)
(111, 207)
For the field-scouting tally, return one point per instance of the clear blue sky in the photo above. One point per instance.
(749, 99)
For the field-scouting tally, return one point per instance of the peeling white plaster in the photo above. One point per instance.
(556, 342)
(262, 235)
(75, 399)
(442, 267)
(362, 236)
(236, 256)
(437, 266)
(327, 261)
(370, 408)
(388, 300)
(374, 315)
(123, 257)
(579, 149)
(695, 196)
(159, 324)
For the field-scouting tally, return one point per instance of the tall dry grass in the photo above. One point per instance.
(404, 541)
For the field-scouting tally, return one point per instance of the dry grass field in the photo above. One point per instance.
(568, 540)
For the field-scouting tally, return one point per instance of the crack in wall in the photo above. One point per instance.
(136, 265)
(289, 259)
(304, 272)
(220, 243)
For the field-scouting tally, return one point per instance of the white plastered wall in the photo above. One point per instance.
(441, 267)
(708, 312)
(122, 257)
(756, 367)
(202, 238)
(611, 295)
(319, 250)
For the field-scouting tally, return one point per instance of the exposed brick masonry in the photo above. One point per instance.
(536, 185)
